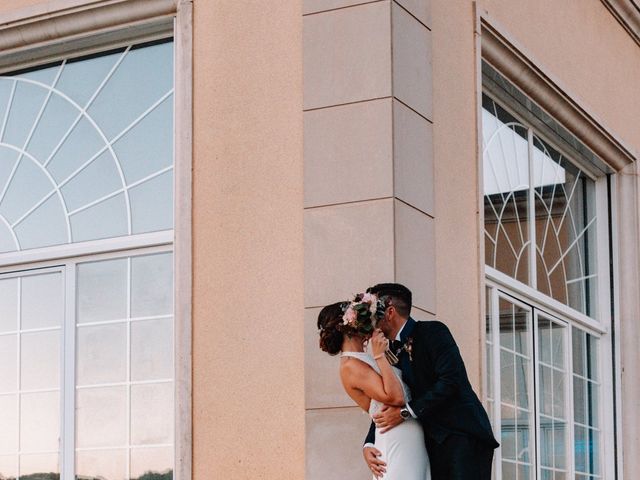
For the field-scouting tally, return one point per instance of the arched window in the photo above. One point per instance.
(545, 229)
(86, 148)
(86, 340)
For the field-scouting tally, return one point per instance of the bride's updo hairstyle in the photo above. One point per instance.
(357, 318)
(329, 324)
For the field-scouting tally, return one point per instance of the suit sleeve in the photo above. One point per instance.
(371, 435)
(449, 369)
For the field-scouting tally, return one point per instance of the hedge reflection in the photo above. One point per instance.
(56, 476)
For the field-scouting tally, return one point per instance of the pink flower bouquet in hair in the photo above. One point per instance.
(362, 314)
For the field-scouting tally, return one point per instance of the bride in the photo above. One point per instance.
(371, 381)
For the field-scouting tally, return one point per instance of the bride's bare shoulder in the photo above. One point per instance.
(353, 368)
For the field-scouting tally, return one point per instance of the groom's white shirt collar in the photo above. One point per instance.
(398, 336)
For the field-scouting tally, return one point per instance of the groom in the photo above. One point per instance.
(457, 430)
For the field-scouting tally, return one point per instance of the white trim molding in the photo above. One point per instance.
(627, 244)
(62, 27)
(627, 12)
(67, 250)
(502, 52)
(183, 109)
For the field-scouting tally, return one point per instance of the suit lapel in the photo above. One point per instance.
(405, 361)
(407, 330)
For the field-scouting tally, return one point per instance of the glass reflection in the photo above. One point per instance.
(141, 79)
(101, 354)
(120, 98)
(506, 185)
(113, 220)
(8, 305)
(27, 101)
(81, 143)
(41, 301)
(152, 349)
(152, 463)
(8, 363)
(152, 285)
(39, 421)
(101, 417)
(96, 180)
(586, 402)
(516, 393)
(18, 200)
(565, 229)
(57, 117)
(45, 226)
(8, 424)
(563, 198)
(92, 70)
(152, 414)
(101, 464)
(102, 291)
(8, 467)
(148, 146)
(553, 424)
(152, 204)
(39, 467)
(40, 360)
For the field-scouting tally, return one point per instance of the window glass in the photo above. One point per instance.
(552, 398)
(506, 187)
(124, 352)
(525, 177)
(87, 148)
(30, 373)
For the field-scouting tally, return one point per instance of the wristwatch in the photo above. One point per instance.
(405, 413)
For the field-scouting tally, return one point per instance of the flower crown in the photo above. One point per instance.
(363, 312)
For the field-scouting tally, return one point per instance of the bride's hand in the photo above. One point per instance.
(379, 343)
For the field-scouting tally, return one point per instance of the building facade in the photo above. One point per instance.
(187, 182)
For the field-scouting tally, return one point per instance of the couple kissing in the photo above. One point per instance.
(427, 422)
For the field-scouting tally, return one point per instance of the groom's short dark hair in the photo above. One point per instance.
(400, 296)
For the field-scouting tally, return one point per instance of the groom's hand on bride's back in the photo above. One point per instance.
(387, 418)
(372, 457)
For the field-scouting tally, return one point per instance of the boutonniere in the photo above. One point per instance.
(408, 347)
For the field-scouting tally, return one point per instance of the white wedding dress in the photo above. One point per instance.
(402, 447)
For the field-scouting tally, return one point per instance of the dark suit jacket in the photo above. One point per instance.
(442, 397)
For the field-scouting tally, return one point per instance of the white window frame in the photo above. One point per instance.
(602, 317)
(49, 31)
(503, 51)
(67, 387)
(600, 326)
(607, 457)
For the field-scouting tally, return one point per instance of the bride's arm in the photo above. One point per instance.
(386, 387)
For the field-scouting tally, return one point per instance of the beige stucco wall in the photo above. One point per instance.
(9, 5)
(248, 387)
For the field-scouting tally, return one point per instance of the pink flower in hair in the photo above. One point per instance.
(349, 317)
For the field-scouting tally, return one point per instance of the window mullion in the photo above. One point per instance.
(531, 210)
(497, 394)
(570, 406)
(69, 369)
(537, 462)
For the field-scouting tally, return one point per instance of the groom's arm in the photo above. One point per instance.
(372, 455)
(449, 370)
